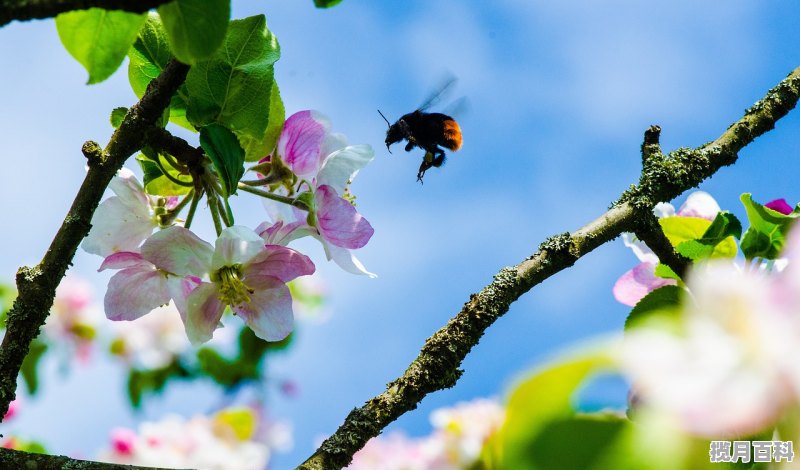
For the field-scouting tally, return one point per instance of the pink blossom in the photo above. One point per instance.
(123, 441)
(13, 409)
(251, 278)
(780, 205)
(123, 221)
(168, 268)
(636, 283)
(327, 166)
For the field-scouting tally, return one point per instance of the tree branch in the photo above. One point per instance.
(437, 366)
(37, 285)
(25, 10)
(10, 458)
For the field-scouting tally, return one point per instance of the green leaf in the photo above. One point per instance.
(680, 230)
(98, 39)
(143, 382)
(220, 369)
(222, 146)
(155, 183)
(148, 57)
(117, 114)
(326, 3)
(30, 365)
(717, 241)
(544, 397)
(665, 272)
(767, 232)
(257, 148)
(234, 88)
(556, 446)
(662, 302)
(195, 28)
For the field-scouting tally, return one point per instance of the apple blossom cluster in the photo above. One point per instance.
(160, 261)
(233, 438)
(459, 436)
(719, 359)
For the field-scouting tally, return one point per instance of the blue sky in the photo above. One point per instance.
(560, 94)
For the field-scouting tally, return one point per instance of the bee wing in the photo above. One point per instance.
(444, 88)
(458, 108)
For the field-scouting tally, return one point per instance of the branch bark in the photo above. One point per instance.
(436, 367)
(18, 459)
(37, 285)
(25, 10)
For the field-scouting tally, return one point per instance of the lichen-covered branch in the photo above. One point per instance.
(36, 285)
(24, 10)
(17, 459)
(437, 366)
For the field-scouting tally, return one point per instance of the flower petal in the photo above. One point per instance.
(780, 205)
(281, 233)
(118, 226)
(179, 251)
(301, 141)
(204, 313)
(280, 262)
(342, 166)
(269, 312)
(632, 286)
(236, 245)
(339, 222)
(345, 259)
(127, 187)
(699, 204)
(135, 291)
(122, 260)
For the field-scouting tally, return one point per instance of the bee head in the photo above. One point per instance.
(396, 131)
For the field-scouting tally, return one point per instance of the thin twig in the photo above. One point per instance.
(437, 365)
(25, 10)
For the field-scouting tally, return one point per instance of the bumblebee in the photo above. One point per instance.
(428, 131)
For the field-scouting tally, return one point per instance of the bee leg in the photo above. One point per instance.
(438, 160)
(410, 145)
(423, 167)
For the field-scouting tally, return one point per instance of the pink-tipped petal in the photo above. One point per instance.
(179, 251)
(121, 260)
(301, 142)
(281, 233)
(203, 314)
(269, 312)
(339, 222)
(135, 291)
(780, 205)
(632, 286)
(280, 262)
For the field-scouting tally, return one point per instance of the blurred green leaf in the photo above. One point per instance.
(665, 272)
(326, 3)
(99, 39)
(142, 382)
(30, 365)
(664, 301)
(234, 87)
(767, 232)
(544, 397)
(256, 148)
(195, 28)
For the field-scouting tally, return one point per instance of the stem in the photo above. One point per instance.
(214, 209)
(172, 214)
(166, 174)
(192, 209)
(437, 365)
(274, 197)
(37, 285)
